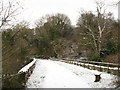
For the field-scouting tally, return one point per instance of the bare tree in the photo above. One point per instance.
(97, 25)
(103, 20)
(8, 10)
(51, 28)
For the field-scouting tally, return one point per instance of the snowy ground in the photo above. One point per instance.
(55, 74)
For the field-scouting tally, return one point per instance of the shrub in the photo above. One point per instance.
(94, 58)
(112, 47)
(17, 81)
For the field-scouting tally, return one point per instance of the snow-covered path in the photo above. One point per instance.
(55, 74)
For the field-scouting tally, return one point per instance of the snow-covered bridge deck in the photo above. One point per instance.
(56, 74)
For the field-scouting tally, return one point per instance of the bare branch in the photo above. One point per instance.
(8, 11)
(93, 36)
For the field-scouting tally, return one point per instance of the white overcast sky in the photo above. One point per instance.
(34, 9)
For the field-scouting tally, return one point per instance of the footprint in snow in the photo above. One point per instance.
(42, 77)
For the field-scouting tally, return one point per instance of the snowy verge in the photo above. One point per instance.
(25, 68)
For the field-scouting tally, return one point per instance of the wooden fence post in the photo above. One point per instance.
(108, 68)
(88, 65)
(94, 67)
(100, 68)
(118, 70)
(84, 64)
